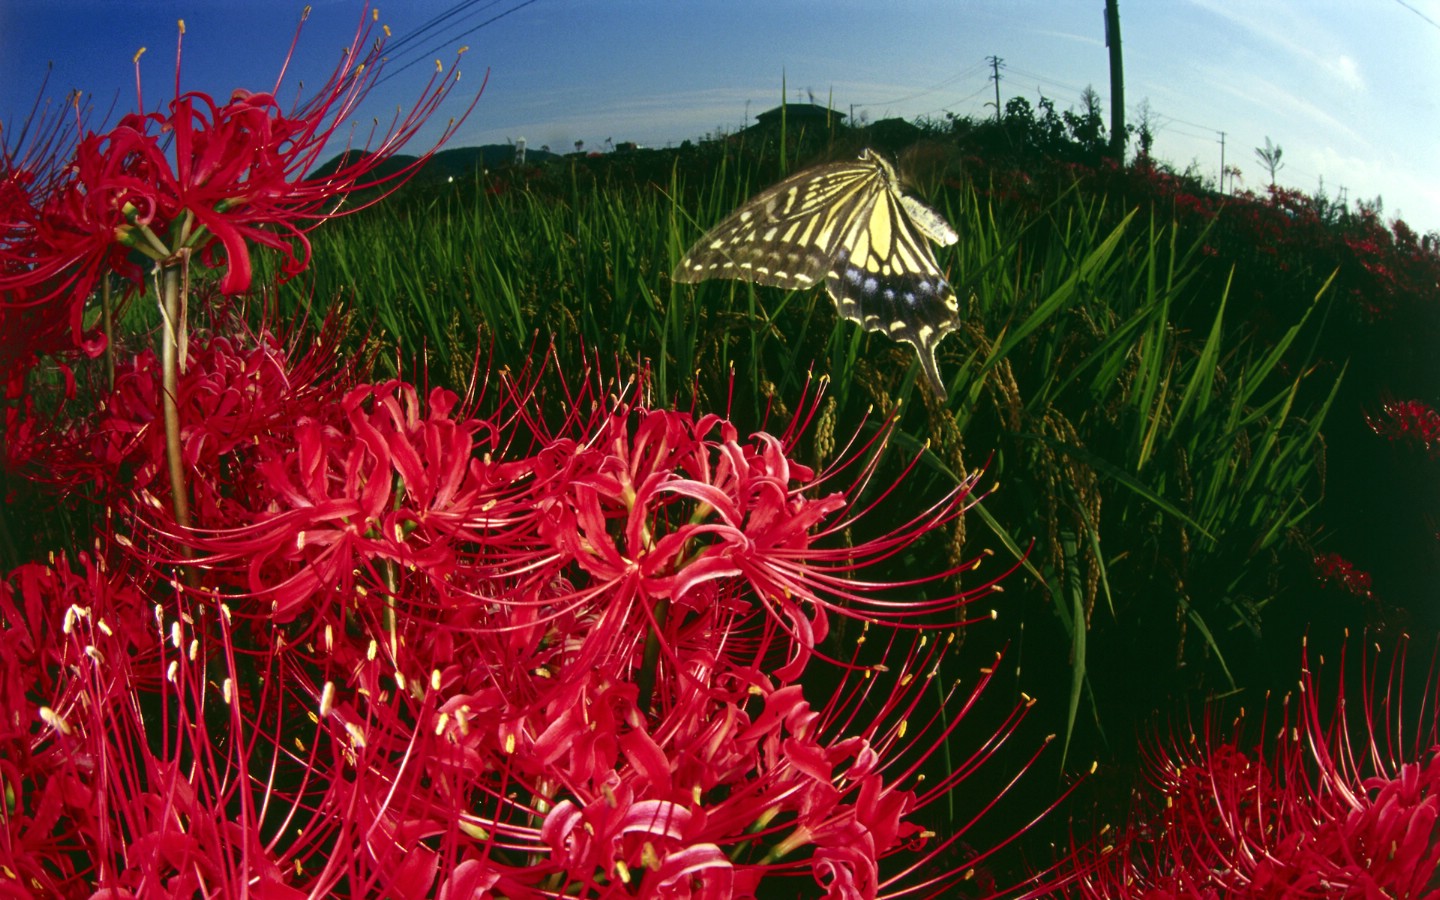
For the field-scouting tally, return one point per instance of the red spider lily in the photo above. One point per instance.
(233, 398)
(648, 505)
(240, 167)
(29, 169)
(1334, 569)
(375, 481)
(1315, 814)
(125, 757)
(412, 660)
(1408, 421)
(237, 177)
(208, 178)
(59, 623)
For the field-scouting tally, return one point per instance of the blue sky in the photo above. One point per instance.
(1350, 89)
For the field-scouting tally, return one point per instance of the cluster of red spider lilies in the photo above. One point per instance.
(320, 635)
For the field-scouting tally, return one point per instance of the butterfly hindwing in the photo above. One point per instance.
(887, 280)
(849, 225)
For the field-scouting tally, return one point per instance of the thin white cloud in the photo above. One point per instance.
(1349, 71)
(1273, 103)
(1089, 39)
(1296, 30)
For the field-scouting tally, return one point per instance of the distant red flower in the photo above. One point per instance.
(1335, 570)
(1408, 421)
(1308, 811)
(32, 158)
(240, 391)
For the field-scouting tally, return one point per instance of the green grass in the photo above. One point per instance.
(1157, 456)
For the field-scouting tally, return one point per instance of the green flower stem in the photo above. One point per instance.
(169, 346)
(107, 323)
(645, 678)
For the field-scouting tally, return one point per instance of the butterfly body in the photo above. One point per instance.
(850, 226)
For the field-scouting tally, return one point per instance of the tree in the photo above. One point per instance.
(1087, 128)
(1145, 132)
(1269, 157)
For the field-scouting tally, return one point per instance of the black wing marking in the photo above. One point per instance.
(885, 277)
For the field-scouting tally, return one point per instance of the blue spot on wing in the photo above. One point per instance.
(918, 308)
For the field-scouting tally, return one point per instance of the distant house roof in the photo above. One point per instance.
(800, 112)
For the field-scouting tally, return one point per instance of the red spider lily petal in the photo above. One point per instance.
(32, 164)
(597, 837)
(470, 879)
(699, 872)
(846, 867)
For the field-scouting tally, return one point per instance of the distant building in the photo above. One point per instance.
(801, 114)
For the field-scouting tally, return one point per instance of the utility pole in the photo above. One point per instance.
(1222, 162)
(1117, 80)
(995, 62)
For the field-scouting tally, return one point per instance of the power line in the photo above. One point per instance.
(1041, 79)
(1210, 128)
(949, 107)
(425, 55)
(1432, 22)
(435, 22)
(1045, 80)
(1190, 134)
(965, 73)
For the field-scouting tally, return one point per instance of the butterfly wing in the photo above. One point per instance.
(784, 236)
(849, 225)
(884, 275)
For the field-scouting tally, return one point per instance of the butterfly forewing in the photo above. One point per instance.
(849, 225)
(786, 235)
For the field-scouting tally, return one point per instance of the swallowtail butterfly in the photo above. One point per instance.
(850, 225)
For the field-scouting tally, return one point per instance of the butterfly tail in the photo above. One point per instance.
(932, 371)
